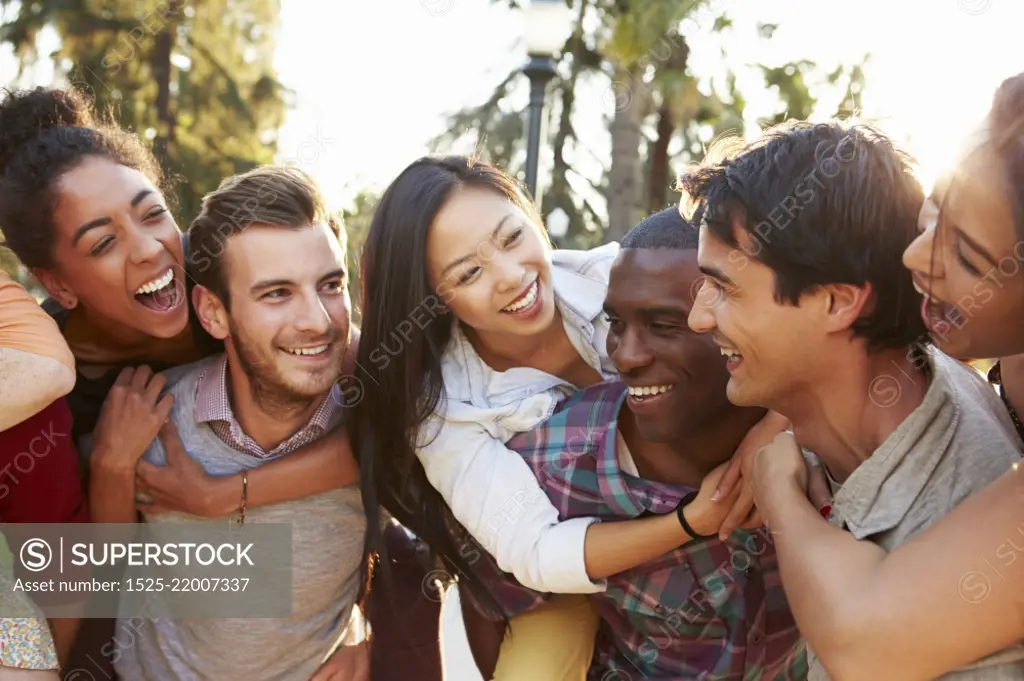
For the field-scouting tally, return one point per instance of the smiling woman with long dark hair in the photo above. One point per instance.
(473, 328)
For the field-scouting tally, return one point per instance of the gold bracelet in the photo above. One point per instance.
(245, 497)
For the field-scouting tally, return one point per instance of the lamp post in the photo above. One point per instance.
(547, 23)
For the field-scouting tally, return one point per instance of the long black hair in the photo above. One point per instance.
(402, 360)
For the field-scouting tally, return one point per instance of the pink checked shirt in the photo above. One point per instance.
(213, 407)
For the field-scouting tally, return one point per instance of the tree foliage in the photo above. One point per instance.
(660, 112)
(356, 220)
(195, 78)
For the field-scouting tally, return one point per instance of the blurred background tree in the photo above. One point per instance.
(357, 225)
(660, 111)
(195, 78)
(627, 111)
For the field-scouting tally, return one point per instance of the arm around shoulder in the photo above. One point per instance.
(869, 614)
(29, 383)
(495, 495)
(321, 466)
(316, 468)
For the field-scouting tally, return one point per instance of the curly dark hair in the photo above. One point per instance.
(44, 133)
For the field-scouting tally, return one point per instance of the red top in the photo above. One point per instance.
(40, 482)
(39, 476)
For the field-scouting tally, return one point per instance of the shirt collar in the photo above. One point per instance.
(212, 403)
(212, 394)
(620, 490)
(879, 493)
(574, 287)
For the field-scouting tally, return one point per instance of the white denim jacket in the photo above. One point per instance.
(490, 488)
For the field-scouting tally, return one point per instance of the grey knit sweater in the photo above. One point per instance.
(327, 545)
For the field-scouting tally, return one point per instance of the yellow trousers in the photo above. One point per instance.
(552, 643)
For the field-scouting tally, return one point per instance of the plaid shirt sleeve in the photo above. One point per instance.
(562, 452)
(793, 667)
(555, 452)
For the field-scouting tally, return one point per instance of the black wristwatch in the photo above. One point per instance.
(682, 518)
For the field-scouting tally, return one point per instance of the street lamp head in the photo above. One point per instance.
(548, 24)
(558, 223)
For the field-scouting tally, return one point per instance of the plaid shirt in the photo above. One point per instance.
(710, 610)
(213, 407)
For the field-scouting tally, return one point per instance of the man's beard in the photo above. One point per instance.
(270, 389)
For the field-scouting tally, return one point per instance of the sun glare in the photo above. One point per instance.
(932, 133)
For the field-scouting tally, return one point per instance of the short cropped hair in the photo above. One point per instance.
(274, 195)
(665, 229)
(824, 203)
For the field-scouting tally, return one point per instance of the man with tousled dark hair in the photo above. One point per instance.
(802, 235)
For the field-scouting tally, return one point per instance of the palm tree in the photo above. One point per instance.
(637, 51)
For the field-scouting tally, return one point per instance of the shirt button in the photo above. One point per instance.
(756, 639)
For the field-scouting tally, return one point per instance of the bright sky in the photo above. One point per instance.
(373, 80)
(377, 77)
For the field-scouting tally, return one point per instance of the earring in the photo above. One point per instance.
(68, 301)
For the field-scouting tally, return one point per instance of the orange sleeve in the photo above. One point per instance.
(25, 326)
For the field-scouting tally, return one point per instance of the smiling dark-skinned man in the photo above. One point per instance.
(657, 441)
